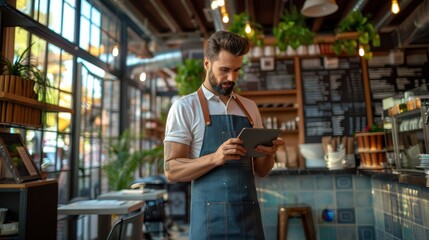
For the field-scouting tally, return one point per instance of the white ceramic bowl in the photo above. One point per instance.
(313, 154)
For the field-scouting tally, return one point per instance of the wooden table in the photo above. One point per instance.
(103, 208)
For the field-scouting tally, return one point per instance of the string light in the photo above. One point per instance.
(395, 7)
(214, 4)
(247, 28)
(225, 18)
(143, 76)
(361, 51)
(115, 51)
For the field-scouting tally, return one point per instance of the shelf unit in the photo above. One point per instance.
(34, 206)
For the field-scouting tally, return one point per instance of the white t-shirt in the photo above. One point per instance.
(185, 120)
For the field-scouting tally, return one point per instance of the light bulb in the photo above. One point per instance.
(225, 18)
(143, 76)
(395, 7)
(361, 51)
(221, 3)
(214, 4)
(115, 51)
(247, 28)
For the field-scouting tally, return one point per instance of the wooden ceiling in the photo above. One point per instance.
(172, 23)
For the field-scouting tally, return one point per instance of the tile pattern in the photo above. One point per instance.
(349, 196)
(401, 211)
(365, 208)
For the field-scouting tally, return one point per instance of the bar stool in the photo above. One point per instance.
(295, 210)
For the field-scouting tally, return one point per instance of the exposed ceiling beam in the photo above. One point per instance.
(141, 21)
(194, 15)
(279, 5)
(166, 16)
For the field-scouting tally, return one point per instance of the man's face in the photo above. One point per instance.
(223, 72)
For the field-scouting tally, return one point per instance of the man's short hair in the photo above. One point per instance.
(228, 41)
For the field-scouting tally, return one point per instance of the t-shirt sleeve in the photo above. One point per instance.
(177, 127)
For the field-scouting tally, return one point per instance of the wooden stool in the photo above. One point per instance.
(295, 210)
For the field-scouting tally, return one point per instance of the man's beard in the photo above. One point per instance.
(219, 88)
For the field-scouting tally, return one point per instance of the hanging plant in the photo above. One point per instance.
(190, 76)
(356, 22)
(292, 31)
(238, 26)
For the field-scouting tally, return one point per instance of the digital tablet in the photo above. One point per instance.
(253, 137)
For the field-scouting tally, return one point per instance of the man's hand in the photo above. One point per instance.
(270, 151)
(231, 149)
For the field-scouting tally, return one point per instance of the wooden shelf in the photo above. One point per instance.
(10, 97)
(277, 109)
(268, 92)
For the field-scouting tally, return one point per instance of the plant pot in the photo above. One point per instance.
(14, 90)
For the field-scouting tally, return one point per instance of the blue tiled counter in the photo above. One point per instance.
(367, 205)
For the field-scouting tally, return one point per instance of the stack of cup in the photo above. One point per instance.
(335, 159)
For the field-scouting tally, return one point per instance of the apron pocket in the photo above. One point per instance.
(233, 220)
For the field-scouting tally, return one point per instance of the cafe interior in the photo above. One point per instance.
(86, 85)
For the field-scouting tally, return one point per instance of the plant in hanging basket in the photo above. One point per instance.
(238, 26)
(21, 79)
(356, 22)
(292, 31)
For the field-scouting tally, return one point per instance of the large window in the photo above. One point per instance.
(99, 33)
(82, 83)
(58, 15)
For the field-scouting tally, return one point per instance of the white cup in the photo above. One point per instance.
(2, 215)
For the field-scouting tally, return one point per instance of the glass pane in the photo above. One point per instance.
(38, 51)
(24, 6)
(95, 40)
(55, 16)
(68, 23)
(41, 12)
(21, 41)
(84, 33)
(66, 72)
(66, 100)
(51, 121)
(96, 17)
(54, 66)
(72, 3)
(86, 9)
(64, 121)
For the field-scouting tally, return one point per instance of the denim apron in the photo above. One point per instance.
(224, 202)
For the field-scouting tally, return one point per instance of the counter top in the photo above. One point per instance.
(412, 177)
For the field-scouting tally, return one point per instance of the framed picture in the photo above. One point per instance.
(16, 157)
(267, 63)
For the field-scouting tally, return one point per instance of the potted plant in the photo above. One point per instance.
(190, 76)
(21, 79)
(356, 22)
(238, 26)
(123, 162)
(292, 31)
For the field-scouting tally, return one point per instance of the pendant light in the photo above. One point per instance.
(395, 7)
(319, 8)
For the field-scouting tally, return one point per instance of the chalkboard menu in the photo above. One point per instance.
(388, 80)
(280, 76)
(333, 98)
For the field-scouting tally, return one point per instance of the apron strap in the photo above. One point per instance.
(244, 110)
(205, 108)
